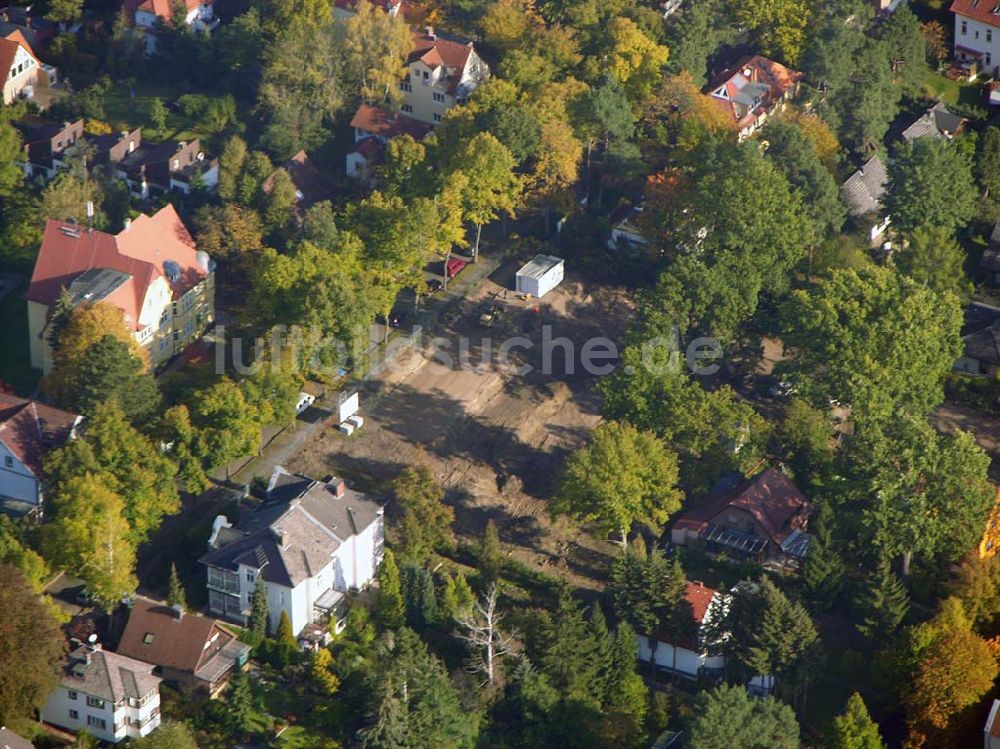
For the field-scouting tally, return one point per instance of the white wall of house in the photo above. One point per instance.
(16, 479)
(77, 711)
(678, 659)
(982, 38)
(23, 72)
(425, 90)
(357, 165)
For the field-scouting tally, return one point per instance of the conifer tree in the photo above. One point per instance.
(259, 613)
(603, 644)
(464, 597)
(175, 591)
(882, 604)
(625, 690)
(239, 701)
(325, 681)
(823, 574)
(568, 659)
(391, 607)
(490, 557)
(285, 633)
(854, 728)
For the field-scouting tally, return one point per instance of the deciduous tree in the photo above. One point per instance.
(376, 44)
(936, 260)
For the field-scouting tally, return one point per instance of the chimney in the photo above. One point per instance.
(430, 32)
(337, 487)
(128, 224)
(178, 611)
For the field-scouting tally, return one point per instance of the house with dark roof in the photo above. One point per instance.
(980, 341)
(764, 517)
(936, 122)
(195, 653)
(28, 431)
(151, 271)
(373, 128)
(112, 148)
(47, 145)
(697, 652)
(175, 165)
(310, 186)
(751, 91)
(862, 194)
(989, 263)
(310, 543)
(106, 694)
(977, 33)
(441, 72)
(11, 740)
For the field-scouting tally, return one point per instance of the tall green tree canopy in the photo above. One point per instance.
(728, 716)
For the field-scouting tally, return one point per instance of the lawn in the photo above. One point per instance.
(15, 363)
(938, 86)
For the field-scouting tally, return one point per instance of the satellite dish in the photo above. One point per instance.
(92, 639)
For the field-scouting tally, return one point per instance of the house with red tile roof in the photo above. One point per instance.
(28, 431)
(149, 15)
(764, 517)
(373, 128)
(977, 33)
(442, 72)
(695, 653)
(151, 271)
(751, 91)
(18, 66)
(310, 185)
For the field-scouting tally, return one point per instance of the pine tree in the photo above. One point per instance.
(882, 605)
(602, 650)
(626, 698)
(285, 634)
(428, 599)
(567, 659)
(391, 608)
(259, 613)
(175, 591)
(854, 728)
(490, 557)
(823, 575)
(239, 701)
(448, 599)
(465, 599)
(325, 681)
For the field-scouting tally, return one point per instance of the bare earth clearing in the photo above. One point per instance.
(495, 439)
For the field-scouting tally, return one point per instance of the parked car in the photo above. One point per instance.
(454, 266)
(491, 315)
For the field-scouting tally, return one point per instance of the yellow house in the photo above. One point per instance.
(151, 271)
(441, 73)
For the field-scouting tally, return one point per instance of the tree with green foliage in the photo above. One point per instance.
(15, 552)
(489, 556)
(278, 202)
(568, 649)
(239, 701)
(231, 164)
(390, 605)
(64, 11)
(806, 436)
(904, 42)
(633, 58)
(31, 648)
(156, 115)
(936, 260)
(625, 695)
(376, 45)
(426, 521)
(693, 38)
(728, 717)
(169, 735)
(285, 634)
(91, 536)
(227, 427)
(987, 169)
(177, 431)
(11, 176)
(823, 572)
(622, 477)
(854, 728)
(881, 604)
(259, 613)
(124, 461)
(771, 636)
(848, 325)
(175, 591)
(930, 185)
(110, 370)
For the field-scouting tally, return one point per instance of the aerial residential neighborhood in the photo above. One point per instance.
(400, 374)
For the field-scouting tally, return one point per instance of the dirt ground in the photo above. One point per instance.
(494, 436)
(985, 427)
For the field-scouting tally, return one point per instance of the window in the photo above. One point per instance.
(989, 59)
(147, 638)
(251, 577)
(438, 97)
(8, 461)
(72, 694)
(437, 118)
(407, 108)
(965, 28)
(74, 715)
(989, 35)
(93, 720)
(163, 343)
(94, 702)
(405, 86)
(426, 75)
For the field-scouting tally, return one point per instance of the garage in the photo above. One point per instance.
(540, 275)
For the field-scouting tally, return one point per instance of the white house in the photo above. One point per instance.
(108, 695)
(991, 731)
(442, 73)
(625, 233)
(977, 33)
(28, 430)
(311, 542)
(18, 66)
(200, 16)
(697, 655)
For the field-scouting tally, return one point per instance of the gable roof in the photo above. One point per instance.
(142, 252)
(434, 50)
(30, 429)
(164, 8)
(862, 192)
(385, 124)
(981, 333)
(11, 740)
(937, 122)
(8, 51)
(154, 634)
(984, 11)
(775, 503)
(699, 596)
(305, 176)
(100, 673)
(751, 85)
(295, 535)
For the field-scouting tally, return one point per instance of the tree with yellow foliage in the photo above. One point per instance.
(376, 44)
(85, 325)
(634, 59)
(507, 23)
(778, 25)
(824, 141)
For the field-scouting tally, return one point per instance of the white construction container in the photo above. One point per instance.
(540, 275)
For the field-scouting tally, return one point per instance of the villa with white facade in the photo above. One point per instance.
(311, 542)
(697, 655)
(442, 73)
(977, 33)
(149, 15)
(108, 695)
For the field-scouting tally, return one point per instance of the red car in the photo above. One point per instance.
(454, 266)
